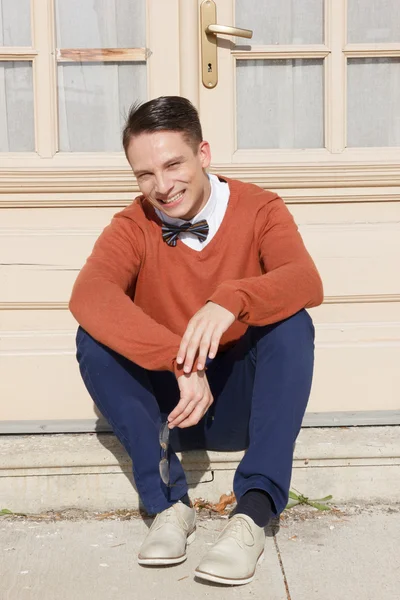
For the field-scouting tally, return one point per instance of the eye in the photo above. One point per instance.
(174, 164)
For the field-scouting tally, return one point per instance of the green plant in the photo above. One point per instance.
(5, 511)
(297, 498)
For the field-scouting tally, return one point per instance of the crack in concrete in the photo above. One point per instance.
(282, 568)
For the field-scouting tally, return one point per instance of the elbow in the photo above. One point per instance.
(316, 289)
(73, 307)
(76, 304)
(319, 297)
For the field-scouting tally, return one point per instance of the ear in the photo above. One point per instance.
(204, 154)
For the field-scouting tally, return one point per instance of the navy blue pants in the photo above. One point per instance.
(260, 388)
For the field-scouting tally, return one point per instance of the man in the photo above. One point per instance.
(192, 323)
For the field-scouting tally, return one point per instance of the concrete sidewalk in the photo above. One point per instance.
(351, 552)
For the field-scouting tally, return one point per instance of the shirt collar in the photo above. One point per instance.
(205, 213)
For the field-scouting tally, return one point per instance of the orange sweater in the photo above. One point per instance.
(136, 293)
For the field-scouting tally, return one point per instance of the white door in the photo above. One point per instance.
(69, 70)
(302, 108)
(310, 107)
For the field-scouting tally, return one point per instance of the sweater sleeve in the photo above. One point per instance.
(290, 280)
(102, 305)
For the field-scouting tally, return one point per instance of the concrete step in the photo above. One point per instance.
(93, 472)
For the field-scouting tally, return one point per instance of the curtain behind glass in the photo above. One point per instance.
(101, 23)
(280, 103)
(282, 21)
(94, 100)
(16, 107)
(15, 23)
(373, 102)
(373, 21)
(94, 97)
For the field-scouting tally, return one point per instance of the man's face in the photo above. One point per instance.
(169, 174)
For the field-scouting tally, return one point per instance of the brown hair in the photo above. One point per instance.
(166, 113)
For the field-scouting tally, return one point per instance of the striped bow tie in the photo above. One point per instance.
(171, 233)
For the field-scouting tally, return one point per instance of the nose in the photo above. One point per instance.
(163, 184)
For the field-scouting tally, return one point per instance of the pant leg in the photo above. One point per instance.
(124, 394)
(261, 389)
(231, 379)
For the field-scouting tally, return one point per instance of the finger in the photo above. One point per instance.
(196, 398)
(184, 414)
(203, 348)
(196, 415)
(180, 357)
(198, 411)
(214, 344)
(179, 408)
(192, 348)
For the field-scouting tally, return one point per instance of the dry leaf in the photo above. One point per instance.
(224, 501)
(201, 503)
(218, 507)
(105, 516)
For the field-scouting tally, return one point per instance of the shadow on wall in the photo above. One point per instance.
(196, 472)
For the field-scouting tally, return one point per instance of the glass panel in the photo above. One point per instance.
(280, 103)
(94, 100)
(15, 23)
(373, 21)
(16, 107)
(101, 23)
(281, 21)
(373, 102)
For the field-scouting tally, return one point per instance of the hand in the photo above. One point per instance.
(195, 399)
(203, 333)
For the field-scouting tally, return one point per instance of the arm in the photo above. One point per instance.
(290, 282)
(101, 304)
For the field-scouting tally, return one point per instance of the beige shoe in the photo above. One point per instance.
(172, 530)
(234, 556)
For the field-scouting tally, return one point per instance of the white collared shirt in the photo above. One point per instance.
(213, 212)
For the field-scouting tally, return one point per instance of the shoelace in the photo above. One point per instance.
(234, 529)
(169, 516)
(164, 516)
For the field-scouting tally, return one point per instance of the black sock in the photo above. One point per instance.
(257, 505)
(186, 500)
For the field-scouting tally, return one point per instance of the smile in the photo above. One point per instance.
(174, 200)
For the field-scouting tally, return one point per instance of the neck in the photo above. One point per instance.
(206, 197)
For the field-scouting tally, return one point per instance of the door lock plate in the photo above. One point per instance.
(209, 63)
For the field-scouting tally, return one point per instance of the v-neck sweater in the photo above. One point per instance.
(136, 294)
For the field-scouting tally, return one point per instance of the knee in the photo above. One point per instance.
(296, 333)
(299, 326)
(88, 350)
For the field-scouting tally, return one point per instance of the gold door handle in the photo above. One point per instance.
(227, 30)
(209, 32)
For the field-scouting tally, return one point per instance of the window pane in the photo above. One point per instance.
(94, 100)
(16, 107)
(373, 21)
(282, 21)
(373, 102)
(280, 103)
(15, 23)
(101, 23)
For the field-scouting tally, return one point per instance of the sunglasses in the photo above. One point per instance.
(164, 462)
(163, 437)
